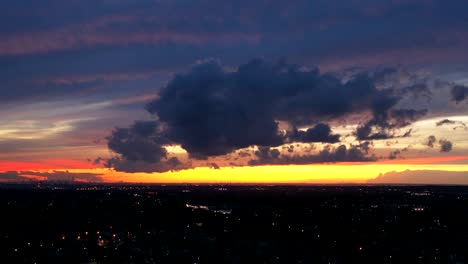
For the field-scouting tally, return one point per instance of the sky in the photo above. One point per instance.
(205, 91)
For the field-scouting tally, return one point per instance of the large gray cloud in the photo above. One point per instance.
(211, 111)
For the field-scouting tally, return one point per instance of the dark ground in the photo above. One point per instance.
(233, 224)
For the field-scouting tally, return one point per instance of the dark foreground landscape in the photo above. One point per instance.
(233, 224)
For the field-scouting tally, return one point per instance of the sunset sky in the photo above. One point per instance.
(178, 91)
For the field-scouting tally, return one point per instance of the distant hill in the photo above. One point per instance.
(422, 177)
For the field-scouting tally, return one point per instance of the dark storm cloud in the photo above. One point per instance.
(445, 145)
(269, 156)
(459, 93)
(319, 133)
(211, 111)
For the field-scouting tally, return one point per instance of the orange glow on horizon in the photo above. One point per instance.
(293, 174)
(297, 174)
(53, 164)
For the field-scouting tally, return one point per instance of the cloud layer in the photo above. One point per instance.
(56, 176)
(422, 177)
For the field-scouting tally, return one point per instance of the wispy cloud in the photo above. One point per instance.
(34, 129)
(108, 32)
